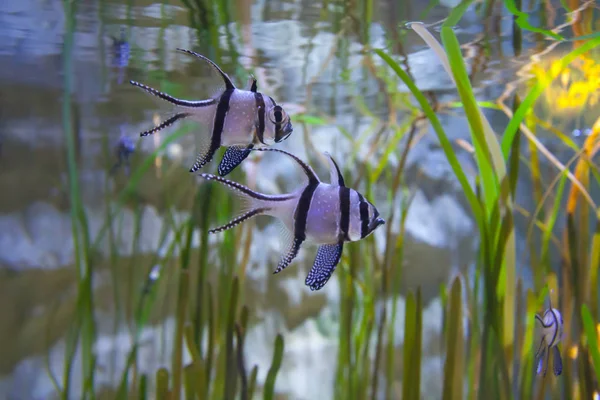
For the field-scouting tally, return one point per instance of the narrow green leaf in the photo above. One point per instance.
(252, 382)
(310, 119)
(594, 265)
(457, 13)
(231, 365)
(410, 315)
(556, 208)
(463, 85)
(592, 339)
(162, 383)
(536, 91)
(275, 365)
(143, 392)
(523, 21)
(453, 366)
(437, 126)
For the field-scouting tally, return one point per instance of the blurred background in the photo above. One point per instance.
(111, 287)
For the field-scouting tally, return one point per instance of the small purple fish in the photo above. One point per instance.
(124, 149)
(240, 120)
(552, 330)
(327, 214)
(120, 54)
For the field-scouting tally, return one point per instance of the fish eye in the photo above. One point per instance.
(277, 115)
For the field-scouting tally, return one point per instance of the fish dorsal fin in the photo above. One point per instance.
(308, 171)
(252, 84)
(228, 83)
(336, 177)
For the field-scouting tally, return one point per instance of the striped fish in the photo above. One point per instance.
(552, 331)
(327, 214)
(240, 119)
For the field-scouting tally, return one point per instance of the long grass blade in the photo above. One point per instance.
(453, 366)
(437, 126)
(592, 338)
(269, 389)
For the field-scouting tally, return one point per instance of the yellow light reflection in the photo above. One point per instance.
(572, 89)
(573, 352)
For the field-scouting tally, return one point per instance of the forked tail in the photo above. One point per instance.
(255, 203)
(186, 104)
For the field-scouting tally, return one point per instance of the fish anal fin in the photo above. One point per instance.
(234, 155)
(540, 361)
(557, 365)
(335, 174)
(328, 257)
(291, 253)
(206, 148)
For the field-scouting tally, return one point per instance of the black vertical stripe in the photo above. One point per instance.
(278, 120)
(556, 327)
(344, 194)
(301, 214)
(260, 107)
(219, 123)
(364, 216)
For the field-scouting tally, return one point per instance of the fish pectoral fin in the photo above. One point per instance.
(233, 157)
(289, 256)
(328, 257)
(557, 361)
(540, 361)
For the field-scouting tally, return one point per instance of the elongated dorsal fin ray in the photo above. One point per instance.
(228, 83)
(308, 171)
(336, 177)
(238, 220)
(252, 84)
(173, 100)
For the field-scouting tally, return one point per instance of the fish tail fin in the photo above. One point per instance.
(254, 203)
(191, 108)
(238, 220)
(174, 100)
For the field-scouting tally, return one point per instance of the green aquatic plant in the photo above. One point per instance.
(493, 211)
(491, 356)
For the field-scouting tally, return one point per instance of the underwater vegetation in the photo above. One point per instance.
(489, 337)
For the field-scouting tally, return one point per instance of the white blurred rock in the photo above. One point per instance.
(29, 380)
